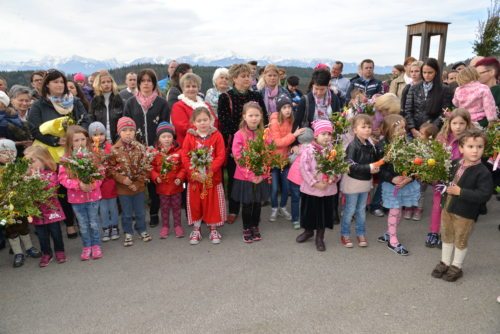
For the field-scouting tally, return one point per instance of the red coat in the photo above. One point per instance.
(181, 119)
(108, 186)
(167, 186)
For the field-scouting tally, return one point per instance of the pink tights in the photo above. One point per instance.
(392, 225)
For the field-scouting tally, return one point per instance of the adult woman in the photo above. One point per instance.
(56, 102)
(188, 101)
(427, 99)
(148, 109)
(404, 78)
(77, 91)
(107, 105)
(271, 89)
(229, 112)
(489, 72)
(415, 77)
(221, 85)
(20, 99)
(175, 87)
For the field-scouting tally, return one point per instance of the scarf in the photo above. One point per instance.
(323, 106)
(427, 87)
(63, 105)
(192, 104)
(270, 99)
(146, 102)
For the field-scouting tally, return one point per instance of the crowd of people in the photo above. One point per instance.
(180, 122)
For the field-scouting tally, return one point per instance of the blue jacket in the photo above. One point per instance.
(370, 88)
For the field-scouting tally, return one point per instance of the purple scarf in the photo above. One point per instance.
(270, 99)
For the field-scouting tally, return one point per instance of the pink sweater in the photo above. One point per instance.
(311, 176)
(51, 212)
(75, 194)
(477, 99)
(239, 141)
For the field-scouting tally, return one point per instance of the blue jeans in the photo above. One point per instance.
(295, 192)
(44, 232)
(88, 221)
(376, 202)
(108, 210)
(133, 205)
(355, 204)
(279, 177)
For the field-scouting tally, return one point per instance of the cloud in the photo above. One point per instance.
(130, 29)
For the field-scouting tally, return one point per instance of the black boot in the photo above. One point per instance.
(306, 235)
(336, 218)
(154, 221)
(320, 242)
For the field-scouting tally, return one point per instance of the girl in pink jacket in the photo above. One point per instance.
(317, 195)
(84, 198)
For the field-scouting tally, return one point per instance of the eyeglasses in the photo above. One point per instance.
(486, 71)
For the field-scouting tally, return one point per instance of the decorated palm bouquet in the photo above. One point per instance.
(83, 165)
(492, 149)
(200, 161)
(341, 122)
(259, 155)
(330, 161)
(427, 160)
(20, 193)
(133, 163)
(169, 162)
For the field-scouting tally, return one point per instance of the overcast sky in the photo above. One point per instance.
(348, 30)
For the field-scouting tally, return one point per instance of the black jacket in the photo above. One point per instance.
(387, 172)
(43, 111)
(300, 115)
(148, 121)
(419, 109)
(476, 187)
(98, 112)
(360, 157)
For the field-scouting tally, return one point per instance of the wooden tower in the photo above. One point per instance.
(427, 29)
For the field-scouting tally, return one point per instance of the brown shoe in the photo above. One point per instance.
(231, 218)
(362, 242)
(440, 269)
(346, 241)
(306, 235)
(320, 242)
(453, 274)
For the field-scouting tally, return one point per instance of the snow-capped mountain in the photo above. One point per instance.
(75, 63)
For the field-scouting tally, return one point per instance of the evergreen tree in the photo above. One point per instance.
(488, 35)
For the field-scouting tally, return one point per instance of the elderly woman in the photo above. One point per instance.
(188, 101)
(55, 103)
(221, 85)
(20, 99)
(107, 104)
(271, 88)
(148, 109)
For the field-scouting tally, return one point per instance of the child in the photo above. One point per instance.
(129, 168)
(317, 195)
(455, 124)
(169, 184)
(294, 175)
(205, 193)
(249, 189)
(84, 198)
(280, 126)
(48, 224)
(356, 185)
(397, 190)
(18, 232)
(108, 207)
(471, 188)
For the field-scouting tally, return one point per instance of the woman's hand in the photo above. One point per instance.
(62, 141)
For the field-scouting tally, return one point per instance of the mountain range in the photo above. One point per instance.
(76, 63)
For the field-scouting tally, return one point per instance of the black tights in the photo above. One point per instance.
(251, 214)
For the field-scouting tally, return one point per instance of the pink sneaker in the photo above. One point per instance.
(179, 232)
(45, 260)
(96, 252)
(195, 237)
(164, 232)
(60, 257)
(215, 236)
(85, 256)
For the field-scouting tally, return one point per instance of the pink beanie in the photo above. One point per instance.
(321, 126)
(79, 77)
(125, 122)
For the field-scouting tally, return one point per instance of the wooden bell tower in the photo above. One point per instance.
(426, 30)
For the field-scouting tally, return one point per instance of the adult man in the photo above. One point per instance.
(164, 83)
(459, 66)
(253, 73)
(37, 83)
(339, 84)
(366, 82)
(399, 83)
(452, 76)
(131, 82)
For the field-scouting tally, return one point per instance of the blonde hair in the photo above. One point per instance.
(468, 74)
(192, 78)
(252, 105)
(237, 69)
(41, 153)
(390, 124)
(97, 83)
(70, 133)
(417, 63)
(388, 104)
(446, 129)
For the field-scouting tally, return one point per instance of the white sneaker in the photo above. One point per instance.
(215, 237)
(284, 213)
(274, 214)
(129, 241)
(296, 225)
(195, 237)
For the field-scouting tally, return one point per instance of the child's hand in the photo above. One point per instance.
(454, 190)
(374, 169)
(132, 187)
(295, 149)
(62, 141)
(298, 132)
(257, 179)
(127, 181)
(85, 187)
(416, 134)
(321, 185)
(158, 179)
(177, 182)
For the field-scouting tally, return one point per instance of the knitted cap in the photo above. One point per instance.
(79, 77)
(321, 126)
(165, 127)
(96, 127)
(4, 98)
(306, 137)
(7, 145)
(282, 101)
(125, 122)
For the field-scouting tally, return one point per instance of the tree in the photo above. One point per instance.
(488, 34)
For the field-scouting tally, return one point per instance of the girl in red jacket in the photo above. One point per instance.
(203, 155)
(168, 174)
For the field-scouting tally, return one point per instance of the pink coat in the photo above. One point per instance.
(51, 212)
(477, 99)
(311, 176)
(294, 171)
(281, 134)
(239, 141)
(75, 194)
